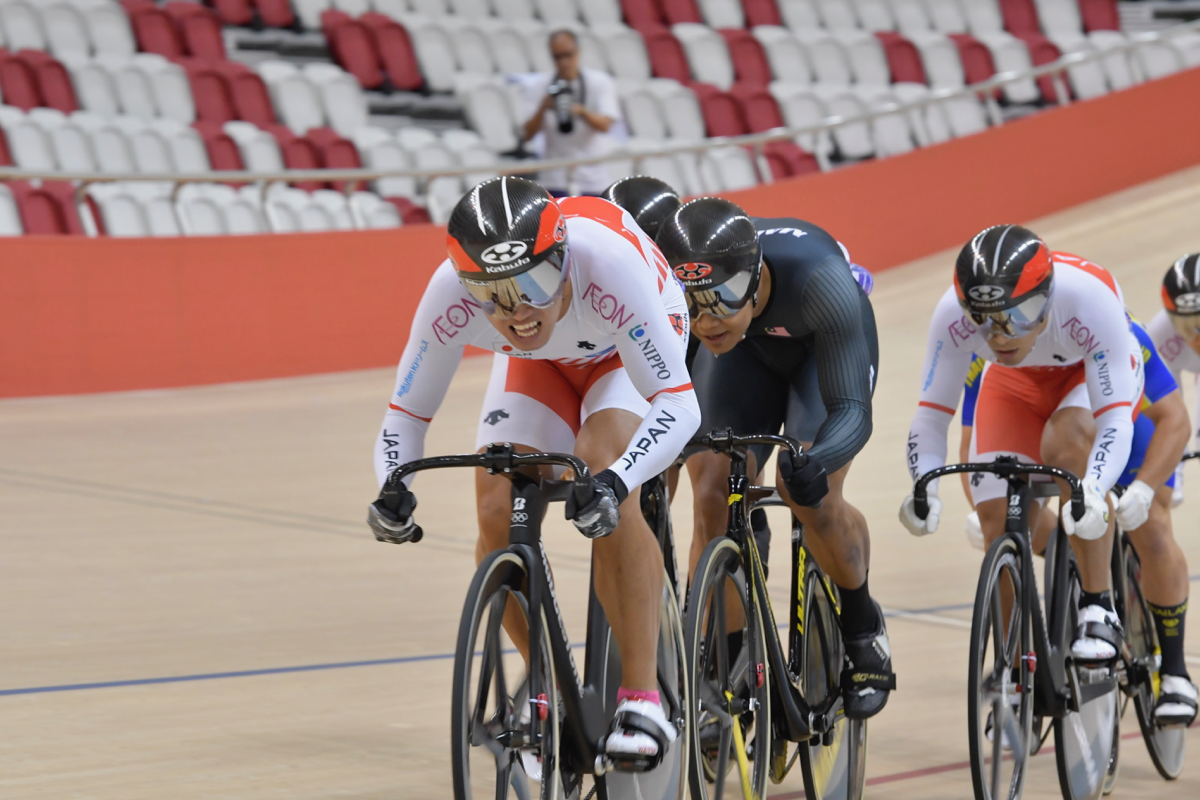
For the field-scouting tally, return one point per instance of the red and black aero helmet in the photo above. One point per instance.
(713, 248)
(649, 200)
(508, 241)
(1003, 279)
(1181, 294)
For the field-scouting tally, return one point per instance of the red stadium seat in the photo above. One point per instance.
(336, 152)
(131, 6)
(1020, 16)
(1100, 15)
(761, 12)
(787, 160)
(642, 13)
(299, 152)
(276, 13)
(201, 31)
(18, 82)
(395, 51)
(750, 63)
(904, 62)
(677, 11)
(1043, 51)
(48, 209)
(6, 159)
(251, 100)
(234, 12)
(352, 47)
(155, 32)
(976, 59)
(222, 150)
(211, 94)
(53, 80)
(667, 59)
(759, 109)
(722, 113)
(410, 212)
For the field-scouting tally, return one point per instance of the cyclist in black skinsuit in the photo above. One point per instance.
(789, 340)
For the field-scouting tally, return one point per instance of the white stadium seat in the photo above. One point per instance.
(430, 8)
(727, 169)
(595, 12)
(1189, 47)
(436, 55)
(537, 47)
(353, 7)
(113, 151)
(892, 133)
(558, 12)
(46, 118)
(123, 215)
(380, 150)
(298, 103)
(785, 54)
(722, 13)
(109, 30)
(939, 56)
(22, 26)
(514, 9)
(642, 110)
(829, 59)
(200, 216)
(1158, 59)
(799, 15)
(457, 140)
(471, 9)
(371, 212)
(95, 89)
(345, 106)
(625, 51)
(272, 70)
(10, 215)
(838, 15)
(947, 16)
(413, 138)
(186, 147)
(854, 141)
(30, 147)
(172, 92)
(441, 192)
(258, 149)
(965, 115)
(73, 148)
(1087, 79)
(490, 113)
(1011, 55)
(867, 59)
(339, 210)
(1059, 16)
(151, 153)
(135, 92)
(510, 52)
(911, 17)
(801, 106)
(66, 31)
(309, 12)
(666, 168)
(928, 124)
(479, 157)
(681, 109)
(983, 17)
(472, 49)
(162, 219)
(707, 54)
(875, 15)
(1118, 68)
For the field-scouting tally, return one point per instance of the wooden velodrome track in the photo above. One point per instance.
(192, 607)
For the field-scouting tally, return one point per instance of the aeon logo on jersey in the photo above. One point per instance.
(504, 252)
(692, 272)
(1189, 302)
(985, 294)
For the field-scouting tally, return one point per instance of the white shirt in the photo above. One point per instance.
(599, 97)
(1176, 354)
(1085, 323)
(625, 300)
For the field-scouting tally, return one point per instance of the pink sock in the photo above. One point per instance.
(637, 694)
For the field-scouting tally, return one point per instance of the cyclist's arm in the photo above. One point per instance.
(426, 368)
(832, 307)
(948, 351)
(1170, 439)
(1112, 387)
(964, 454)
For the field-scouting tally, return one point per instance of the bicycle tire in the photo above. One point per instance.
(746, 677)
(1167, 746)
(1083, 738)
(991, 686)
(669, 780)
(480, 670)
(833, 767)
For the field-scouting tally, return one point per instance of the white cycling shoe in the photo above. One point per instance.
(640, 735)
(1177, 701)
(1098, 636)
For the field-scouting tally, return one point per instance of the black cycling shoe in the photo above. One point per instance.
(867, 679)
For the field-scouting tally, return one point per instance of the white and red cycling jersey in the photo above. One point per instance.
(1178, 355)
(626, 322)
(1086, 326)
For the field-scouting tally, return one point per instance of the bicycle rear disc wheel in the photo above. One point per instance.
(999, 682)
(669, 780)
(1083, 739)
(731, 691)
(1167, 746)
(504, 742)
(834, 766)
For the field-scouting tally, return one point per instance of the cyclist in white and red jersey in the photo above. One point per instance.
(1063, 388)
(589, 328)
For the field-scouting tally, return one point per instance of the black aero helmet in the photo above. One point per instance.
(713, 248)
(1003, 279)
(1181, 295)
(508, 241)
(649, 200)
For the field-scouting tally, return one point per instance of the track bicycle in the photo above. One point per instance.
(1021, 671)
(753, 700)
(527, 726)
(1139, 674)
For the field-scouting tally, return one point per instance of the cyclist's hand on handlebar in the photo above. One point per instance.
(804, 477)
(600, 514)
(1134, 508)
(390, 517)
(1095, 516)
(915, 525)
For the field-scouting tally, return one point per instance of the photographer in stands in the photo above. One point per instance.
(576, 111)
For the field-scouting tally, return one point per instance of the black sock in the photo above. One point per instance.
(762, 538)
(859, 615)
(1169, 624)
(1102, 599)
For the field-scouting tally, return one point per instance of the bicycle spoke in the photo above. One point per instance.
(504, 776)
(997, 745)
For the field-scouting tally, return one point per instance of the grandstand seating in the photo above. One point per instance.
(108, 86)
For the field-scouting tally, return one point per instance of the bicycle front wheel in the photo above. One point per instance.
(999, 681)
(504, 738)
(726, 651)
(1166, 745)
(834, 765)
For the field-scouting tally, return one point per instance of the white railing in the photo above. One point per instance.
(355, 178)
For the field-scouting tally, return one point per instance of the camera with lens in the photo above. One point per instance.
(564, 98)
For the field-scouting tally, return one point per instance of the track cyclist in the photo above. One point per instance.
(789, 340)
(1062, 388)
(588, 327)
(1176, 334)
